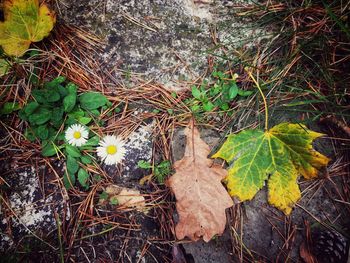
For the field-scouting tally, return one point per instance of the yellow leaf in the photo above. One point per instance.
(297, 139)
(278, 155)
(25, 22)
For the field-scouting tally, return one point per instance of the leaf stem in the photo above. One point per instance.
(264, 99)
(58, 223)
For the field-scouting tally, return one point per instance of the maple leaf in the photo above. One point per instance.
(201, 197)
(25, 22)
(278, 155)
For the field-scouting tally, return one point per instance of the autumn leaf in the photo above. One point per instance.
(201, 198)
(126, 197)
(278, 155)
(25, 22)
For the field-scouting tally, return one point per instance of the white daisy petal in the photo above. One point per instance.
(111, 150)
(77, 135)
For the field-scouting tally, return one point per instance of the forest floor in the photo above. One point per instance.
(146, 56)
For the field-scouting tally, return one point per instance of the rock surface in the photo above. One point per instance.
(165, 40)
(138, 147)
(31, 207)
(217, 250)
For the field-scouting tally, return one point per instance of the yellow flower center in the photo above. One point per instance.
(111, 149)
(77, 135)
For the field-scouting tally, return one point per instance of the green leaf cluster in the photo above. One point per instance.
(9, 107)
(217, 96)
(160, 170)
(74, 169)
(55, 106)
(76, 162)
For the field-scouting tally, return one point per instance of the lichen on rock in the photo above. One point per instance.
(165, 40)
(29, 210)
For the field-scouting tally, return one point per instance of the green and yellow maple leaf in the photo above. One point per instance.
(278, 155)
(25, 22)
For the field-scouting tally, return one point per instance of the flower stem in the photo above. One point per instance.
(264, 99)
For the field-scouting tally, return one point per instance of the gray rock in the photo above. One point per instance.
(138, 147)
(216, 250)
(165, 40)
(178, 142)
(264, 227)
(29, 210)
(257, 232)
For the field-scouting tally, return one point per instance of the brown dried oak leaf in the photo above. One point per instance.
(201, 198)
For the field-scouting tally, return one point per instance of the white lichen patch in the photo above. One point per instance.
(198, 9)
(140, 257)
(138, 147)
(30, 210)
(30, 216)
(140, 140)
(24, 202)
(5, 242)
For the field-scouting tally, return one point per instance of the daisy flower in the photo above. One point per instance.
(76, 135)
(111, 150)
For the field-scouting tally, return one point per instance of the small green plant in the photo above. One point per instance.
(54, 107)
(9, 107)
(114, 200)
(160, 170)
(103, 196)
(217, 96)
